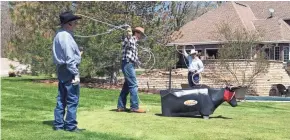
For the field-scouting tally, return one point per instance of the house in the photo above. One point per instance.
(271, 19)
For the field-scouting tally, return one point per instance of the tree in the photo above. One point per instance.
(240, 58)
(37, 22)
(169, 18)
(5, 22)
(103, 53)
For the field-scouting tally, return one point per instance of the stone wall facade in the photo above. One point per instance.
(276, 75)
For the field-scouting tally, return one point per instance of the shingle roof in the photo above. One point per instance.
(269, 29)
(261, 8)
(285, 31)
(242, 15)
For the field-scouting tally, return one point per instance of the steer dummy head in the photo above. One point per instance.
(229, 95)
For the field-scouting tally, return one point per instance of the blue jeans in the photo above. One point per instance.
(195, 78)
(68, 96)
(130, 85)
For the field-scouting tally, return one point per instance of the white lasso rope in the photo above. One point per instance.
(121, 28)
(109, 31)
(195, 82)
(115, 28)
(151, 55)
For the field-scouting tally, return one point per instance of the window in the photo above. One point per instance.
(211, 53)
(269, 53)
(182, 61)
(286, 54)
(277, 53)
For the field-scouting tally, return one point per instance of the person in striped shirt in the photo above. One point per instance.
(129, 62)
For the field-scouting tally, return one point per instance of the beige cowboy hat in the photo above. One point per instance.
(140, 30)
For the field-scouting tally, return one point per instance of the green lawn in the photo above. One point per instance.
(27, 114)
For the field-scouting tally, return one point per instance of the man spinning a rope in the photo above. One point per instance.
(129, 61)
(195, 67)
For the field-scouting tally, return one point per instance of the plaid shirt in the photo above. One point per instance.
(130, 50)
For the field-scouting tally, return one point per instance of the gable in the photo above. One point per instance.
(204, 28)
(249, 15)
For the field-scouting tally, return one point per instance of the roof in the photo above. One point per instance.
(251, 16)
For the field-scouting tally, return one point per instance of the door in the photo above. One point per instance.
(286, 53)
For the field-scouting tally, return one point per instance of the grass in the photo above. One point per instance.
(27, 114)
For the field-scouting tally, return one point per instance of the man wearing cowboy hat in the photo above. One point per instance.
(129, 61)
(195, 67)
(67, 57)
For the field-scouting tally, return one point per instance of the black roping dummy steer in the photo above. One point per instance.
(198, 101)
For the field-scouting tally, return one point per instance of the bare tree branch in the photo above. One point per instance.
(235, 55)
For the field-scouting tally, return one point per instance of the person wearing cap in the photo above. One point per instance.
(67, 57)
(129, 61)
(195, 67)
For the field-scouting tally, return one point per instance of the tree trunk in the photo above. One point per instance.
(113, 78)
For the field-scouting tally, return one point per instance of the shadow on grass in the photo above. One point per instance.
(115, 110)
(262, 106)
(12, 130)
(49, 123)
(200, 117)
(96, 135)
(127, 111)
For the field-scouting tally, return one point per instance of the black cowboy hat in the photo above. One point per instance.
(67, 17)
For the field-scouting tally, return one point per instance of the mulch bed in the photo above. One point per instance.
(105, 84)
(98, 83)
